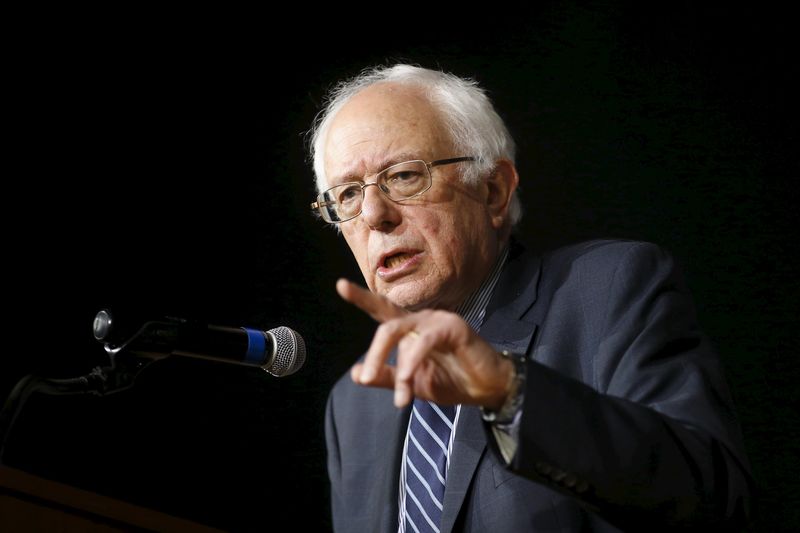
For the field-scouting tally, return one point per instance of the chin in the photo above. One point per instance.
(413, 298)
(404, 297)
(410, 303)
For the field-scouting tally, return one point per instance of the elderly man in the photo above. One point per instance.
(504, 391)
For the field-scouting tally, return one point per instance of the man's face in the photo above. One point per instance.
(430, 251)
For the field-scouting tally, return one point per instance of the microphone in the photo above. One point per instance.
(280, 351)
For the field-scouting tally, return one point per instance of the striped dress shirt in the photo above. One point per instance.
(472, 310)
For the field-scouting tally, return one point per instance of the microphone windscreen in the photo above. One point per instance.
(290, 352)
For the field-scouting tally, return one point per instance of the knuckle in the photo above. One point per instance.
(427, 337)
(448, 319)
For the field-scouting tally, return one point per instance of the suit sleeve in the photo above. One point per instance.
(647, 438)
(334, 464)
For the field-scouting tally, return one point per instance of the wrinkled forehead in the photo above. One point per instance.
(380, 126)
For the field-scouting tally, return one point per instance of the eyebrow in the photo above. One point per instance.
(402, 157)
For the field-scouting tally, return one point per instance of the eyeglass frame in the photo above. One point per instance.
(321, 203)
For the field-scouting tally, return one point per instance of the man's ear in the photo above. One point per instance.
(501, 184)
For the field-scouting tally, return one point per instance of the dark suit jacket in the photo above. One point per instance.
(627, 422)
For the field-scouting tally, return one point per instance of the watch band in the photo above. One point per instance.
(506, 413)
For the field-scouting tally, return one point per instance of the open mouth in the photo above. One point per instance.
(396, 260)
(398, 263)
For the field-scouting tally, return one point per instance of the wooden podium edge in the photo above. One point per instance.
(64, 498)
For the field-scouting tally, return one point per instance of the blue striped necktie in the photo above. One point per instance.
(426, 464)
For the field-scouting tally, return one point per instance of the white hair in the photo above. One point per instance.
(474, 126)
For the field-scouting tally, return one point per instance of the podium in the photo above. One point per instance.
(31, 503)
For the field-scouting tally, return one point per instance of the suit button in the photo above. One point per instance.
(543, 468)
(570, 480)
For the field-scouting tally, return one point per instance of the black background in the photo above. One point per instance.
(156, 165)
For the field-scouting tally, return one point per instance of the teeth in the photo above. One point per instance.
(395, 260)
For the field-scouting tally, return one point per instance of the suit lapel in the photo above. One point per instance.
(468, 447)
(505, 328)
(393, 426)
(507, 324)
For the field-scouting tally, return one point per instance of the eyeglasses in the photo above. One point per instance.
(399, 183)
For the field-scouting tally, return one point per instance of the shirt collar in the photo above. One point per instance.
(473, 309)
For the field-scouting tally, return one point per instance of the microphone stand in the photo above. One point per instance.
(119, 376)
(127, 362)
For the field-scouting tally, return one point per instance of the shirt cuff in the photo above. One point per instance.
(507, 436)
(506, 421)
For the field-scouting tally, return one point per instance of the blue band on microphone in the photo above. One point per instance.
(256, 346)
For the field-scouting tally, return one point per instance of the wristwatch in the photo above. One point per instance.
(506, 413)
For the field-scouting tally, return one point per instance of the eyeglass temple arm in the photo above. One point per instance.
(317, 205)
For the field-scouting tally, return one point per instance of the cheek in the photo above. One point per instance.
(431, 229)
(358, 246)
(444, 240)
(459, 235)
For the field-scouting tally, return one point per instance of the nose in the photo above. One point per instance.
(379, 212)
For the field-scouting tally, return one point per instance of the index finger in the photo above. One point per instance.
(375, 305)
